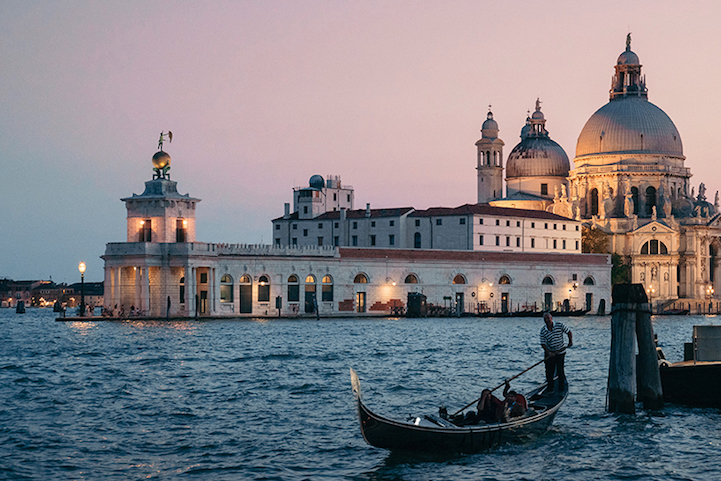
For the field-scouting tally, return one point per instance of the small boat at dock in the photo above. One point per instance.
(433, 433)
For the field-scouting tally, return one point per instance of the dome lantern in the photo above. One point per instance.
(628, 81)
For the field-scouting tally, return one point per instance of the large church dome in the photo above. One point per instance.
(537, 155)
(629, 123)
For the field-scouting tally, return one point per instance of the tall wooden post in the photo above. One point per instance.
(649, 377)
(631, 319)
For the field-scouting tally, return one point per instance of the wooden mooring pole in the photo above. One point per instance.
(631, 320)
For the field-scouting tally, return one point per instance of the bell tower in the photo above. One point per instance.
(489, 161)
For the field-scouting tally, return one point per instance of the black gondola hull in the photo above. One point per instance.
(395, 435)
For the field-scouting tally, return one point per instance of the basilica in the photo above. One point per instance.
(629, 181)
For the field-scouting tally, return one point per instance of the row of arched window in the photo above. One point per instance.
(548, 281)
(650, 200)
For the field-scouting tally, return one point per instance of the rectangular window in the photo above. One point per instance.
(481, 240)
(182, 293)
(463, 220)
(355, 240)
(355, 225)
(544, 189)
(392, 223)
(533, 242)
(508, 223)
(564, 244)
(555, 244)
(576, 245)
(564, 226)
(180, 234)
(555, 227)
(498, 240)
(391, 240)
(336, 225)
(146, 232)
(508, 241)
(293, 293)
(373, 223)
(203, 277)
(481, 221)
(327, 293)
(277, 226)
(373, 240)
(295, 226)
(305, 232)
(294, 241)
(305, 209)
(576, 228)
(574, 277)
(518, 223)
(518, 242)
(320, 241)
(418, 222)
(335, 196)
(335, 241)
(277, 242)
(439, 221)
(533, 225)
(545, 225)
(320, 225)
(498, 222)
(348, 197)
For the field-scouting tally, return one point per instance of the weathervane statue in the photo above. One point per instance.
(161, 160)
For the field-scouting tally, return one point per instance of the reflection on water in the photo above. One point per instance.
(271, 399)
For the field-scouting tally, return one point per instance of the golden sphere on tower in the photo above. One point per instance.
(161, 160)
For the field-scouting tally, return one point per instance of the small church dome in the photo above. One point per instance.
(161, 160)
(317, 182)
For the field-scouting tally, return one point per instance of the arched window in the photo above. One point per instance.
(417, 240)
(411, 279)
(588, 281)
(327, 289)
(594, 202)
(634, 196)
(548, 281)
(293, 289)
(182, 290)
(360, 279)
(504, 280)
(650, 200)
(459, 279)
(263, 289)
(654, 247)
(245, 279)
(226, 288)
(310, 279)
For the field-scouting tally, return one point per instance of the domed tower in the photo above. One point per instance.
(629, 156)
(489, 161)
(537, 166)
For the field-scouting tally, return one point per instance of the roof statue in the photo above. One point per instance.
(169, 135)
(628, 41)
(161, 160)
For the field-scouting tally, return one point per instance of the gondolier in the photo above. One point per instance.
(555, 350)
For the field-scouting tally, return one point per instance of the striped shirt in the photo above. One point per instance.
(553, 340)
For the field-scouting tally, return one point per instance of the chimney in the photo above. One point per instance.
(286, 215)
(368, 210)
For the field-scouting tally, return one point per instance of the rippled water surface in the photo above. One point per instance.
(271, 400)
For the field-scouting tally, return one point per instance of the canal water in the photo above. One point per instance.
(271, 400)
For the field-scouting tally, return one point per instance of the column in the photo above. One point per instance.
(146, 304)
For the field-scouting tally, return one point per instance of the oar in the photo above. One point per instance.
(502, 384)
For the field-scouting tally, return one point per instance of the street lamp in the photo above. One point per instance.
(81, 268)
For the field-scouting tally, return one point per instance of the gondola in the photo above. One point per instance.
(436, 434)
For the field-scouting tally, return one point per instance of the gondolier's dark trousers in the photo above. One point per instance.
(554, 367)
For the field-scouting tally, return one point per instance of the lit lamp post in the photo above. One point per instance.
(81, 268)
(651, 291)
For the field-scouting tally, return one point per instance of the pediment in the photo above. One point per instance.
(654, 227)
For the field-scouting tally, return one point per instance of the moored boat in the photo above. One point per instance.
(695, 381)
(434, 433)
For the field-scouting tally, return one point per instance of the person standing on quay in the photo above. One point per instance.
(554, 350)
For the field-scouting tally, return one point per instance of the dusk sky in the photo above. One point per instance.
(262, 95)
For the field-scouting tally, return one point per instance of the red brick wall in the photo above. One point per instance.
(346, 305)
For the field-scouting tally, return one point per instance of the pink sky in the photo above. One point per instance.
(262, 95)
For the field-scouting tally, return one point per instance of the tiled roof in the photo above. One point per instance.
(354, 214)
(486, 209)
(472, 256)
